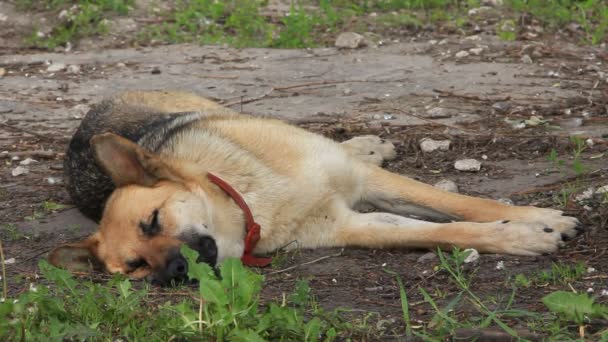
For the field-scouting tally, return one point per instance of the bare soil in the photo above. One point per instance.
(386, 90)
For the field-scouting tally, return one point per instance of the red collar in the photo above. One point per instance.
(251, 227)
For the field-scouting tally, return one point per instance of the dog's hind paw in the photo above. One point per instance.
(370, 149)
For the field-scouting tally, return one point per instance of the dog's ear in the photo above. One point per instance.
(77, 257)
(128, 163)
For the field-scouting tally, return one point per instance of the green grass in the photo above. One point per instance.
(240, 23)
(226, 308)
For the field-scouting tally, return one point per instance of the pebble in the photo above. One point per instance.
(587, 194)
(349, 40)
(20, 170)
(430, 256)
(500, 265)
(526, 59)
(461, 54)
(479, 10)
(501, 107)
(430, 145)
(472, 257)
(602, 190)
(438, 112)
(447, 185)
(27, 161)
(9, 261)
(73, 69)
(506, 201)
(476, 51)
(467, 165)
(2, 72)
(55, 67)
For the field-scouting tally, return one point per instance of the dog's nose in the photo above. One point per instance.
(207, 249)
(177, 267)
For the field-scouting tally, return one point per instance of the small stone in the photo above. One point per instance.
(589, 142)
(73, 69)
(54, 181)
(79, 111)
(9, 261)
(430, 145)
(472, 257)
(20, 170)
(2, 72)
(347, 91)
(388, 116)
(433, 42)
(501, 107)
(586, 195)
(492, 3)
(479, 10)
(120, 65)
(442, 42)
(602, 190)
(506, 201)
(374, 289)
(438, 113)
(590, 290)
(590, 269)
(467, 165)
(476, 51)
(55, 67)
(571, 123)
(526, 59)
(500, 265)
(3, 17)
(447, 185)
(461, 54)
(349, 40)
(430, 256)
(27, 161)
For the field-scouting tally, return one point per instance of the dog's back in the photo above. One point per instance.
(142, 117)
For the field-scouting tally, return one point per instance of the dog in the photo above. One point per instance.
(160, 169)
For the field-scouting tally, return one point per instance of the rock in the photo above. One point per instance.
(472, 257)
(430, 256)
(430, 145)
(602, 190)
(121, 65)
(73, 69)
(476, 51)
(501, 107)
(526, 59)
(492, 3)
(54, 180)
(3, 17)
(446, 185)
(461, 54)
(9, 261)
(506, 201)
(500, 265)
(467, 165)
(349, 40)
(27, 161)
(55, 67)
(79, 111)
(587, 194)
(2, 72)
(479, 10)
(20, 170)
(438, 113)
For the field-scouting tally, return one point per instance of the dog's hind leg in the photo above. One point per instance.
(405, 196)
(382, 230)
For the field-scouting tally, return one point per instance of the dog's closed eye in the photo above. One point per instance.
(152, 227)
(136, 263)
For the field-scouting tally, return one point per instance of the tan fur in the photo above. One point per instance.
(301, 187)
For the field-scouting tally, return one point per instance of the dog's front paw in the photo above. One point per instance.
(370, 149)
(568, 226)
(523, 238)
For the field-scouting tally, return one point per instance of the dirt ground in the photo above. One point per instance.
(391, 90)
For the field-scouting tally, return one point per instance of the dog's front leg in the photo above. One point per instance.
(401, 195)
(382, 230)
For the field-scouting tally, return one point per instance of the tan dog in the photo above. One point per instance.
(299, 186)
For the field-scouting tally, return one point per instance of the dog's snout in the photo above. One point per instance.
(177, 267)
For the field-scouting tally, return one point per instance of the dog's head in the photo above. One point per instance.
(153, 210)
